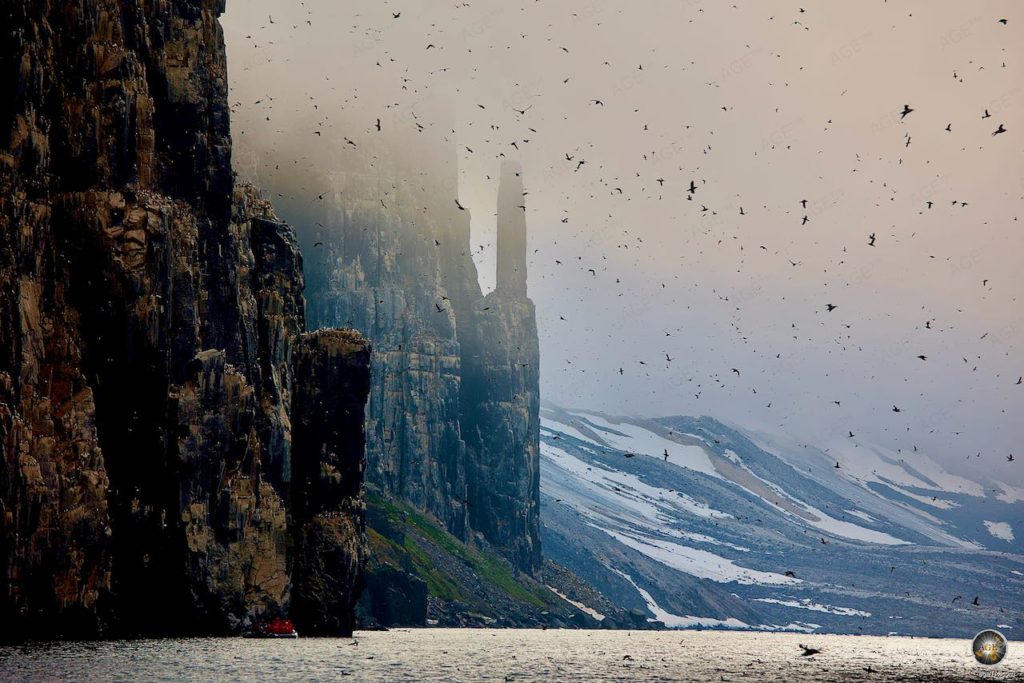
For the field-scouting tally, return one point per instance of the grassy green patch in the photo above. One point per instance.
(488, 566)
(438, 583)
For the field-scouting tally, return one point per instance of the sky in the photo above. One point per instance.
(716, 301)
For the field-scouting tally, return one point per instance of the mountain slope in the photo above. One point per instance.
(420, 574)
(706, 525)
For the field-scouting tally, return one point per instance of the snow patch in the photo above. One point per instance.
(862, 515)
(870, 462)
(676, 620)
(1000, 530)
(699, 563)
(805, 603)
(1008, 494)
(578, 605)
(617, 489)
(645, 442)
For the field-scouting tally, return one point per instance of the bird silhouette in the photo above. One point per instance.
(808, 651)
(999, 130)
(906, 110)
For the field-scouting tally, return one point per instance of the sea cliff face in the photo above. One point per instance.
(453, 418)
(151, 315)
(501, 395)
(453, 421)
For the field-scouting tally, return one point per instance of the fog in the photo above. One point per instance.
(712, 302)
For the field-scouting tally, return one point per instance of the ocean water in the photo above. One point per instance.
(512, 655)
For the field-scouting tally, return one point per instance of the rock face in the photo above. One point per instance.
(501, 395)
(378, 271)
(328, 511)
(149, 312)
(453, 415)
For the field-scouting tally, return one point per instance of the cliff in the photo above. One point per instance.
(453, 418)
(149, 315)
(501, 395)
(378, 270)
(328, 509)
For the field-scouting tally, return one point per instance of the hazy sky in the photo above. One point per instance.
(761, 105)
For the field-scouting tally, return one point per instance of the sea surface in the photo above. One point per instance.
(512, 655)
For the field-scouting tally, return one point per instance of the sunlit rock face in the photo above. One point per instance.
(149, 310)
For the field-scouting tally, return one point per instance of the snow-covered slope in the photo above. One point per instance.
(705, 525)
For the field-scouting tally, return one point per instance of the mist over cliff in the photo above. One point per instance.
(760, 108)
(453, 413)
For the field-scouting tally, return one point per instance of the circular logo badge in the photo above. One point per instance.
(989, 647)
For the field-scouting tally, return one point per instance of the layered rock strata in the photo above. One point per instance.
(149, 311)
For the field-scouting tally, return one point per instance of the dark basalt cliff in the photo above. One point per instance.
(328, 510)
(151, 317)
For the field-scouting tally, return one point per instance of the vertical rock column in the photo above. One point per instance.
(501, 396)
(511, 280)
(332, 371)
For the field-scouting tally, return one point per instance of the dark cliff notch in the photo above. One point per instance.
(328, 514)
(501, 395)
(148, 313)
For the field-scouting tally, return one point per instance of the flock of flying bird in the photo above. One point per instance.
(575, 163)
(692, 187)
